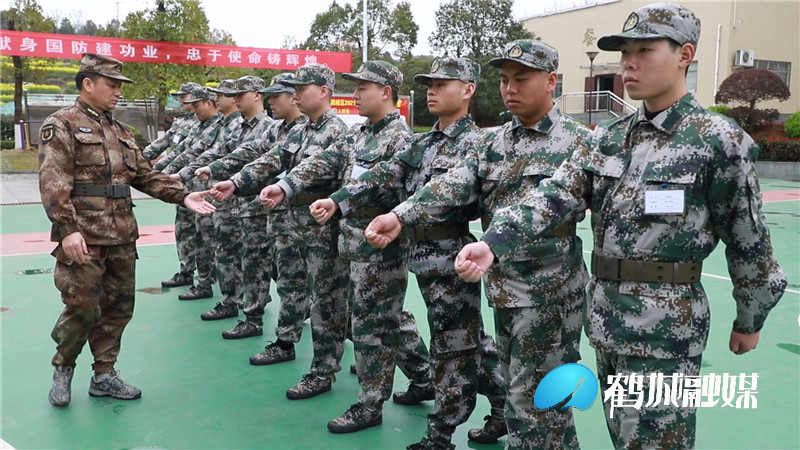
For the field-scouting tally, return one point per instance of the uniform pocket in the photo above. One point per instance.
(90, 151)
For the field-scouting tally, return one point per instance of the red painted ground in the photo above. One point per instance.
(30, 243)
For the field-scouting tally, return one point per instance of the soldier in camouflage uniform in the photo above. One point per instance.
(180, 127)
(379, 277)
(326, 272)
(537, 293)
(664, 184)
(203, 137)
(256, 242)
(87, 164)
(464, 359)
(247, 182)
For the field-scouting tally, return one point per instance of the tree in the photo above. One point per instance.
(750, 86)
(87, 29)
(391, 30)
(24, 15)
(410, 67)
(173, 21)
(475, 28)
(65, 27)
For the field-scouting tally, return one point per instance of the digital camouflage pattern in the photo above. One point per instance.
(247, 83)
(463, 362)
(185, 88)
(656, 21)
(312, 74)
(276, 87)
(226, 86)
(537, 292)
(462, 69)
(380, 72)
(200, 94)
(687, 148)
(177, 132)
(534, 54)
(105, 154)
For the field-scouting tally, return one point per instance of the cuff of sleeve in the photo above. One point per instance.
(214, 167)
(67, 229)
(186, 174)
(403, 212)
(743, 329)
(287, 188)
(494, 241)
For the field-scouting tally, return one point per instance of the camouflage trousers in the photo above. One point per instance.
(412, 356)
(185, 239)
(258, 266)
(463, 362)
(532, 341)
(228, 252)
(293, 290)
(326, 287)
(379, 289)
(98, 297)
(204, 250)
(655, 426)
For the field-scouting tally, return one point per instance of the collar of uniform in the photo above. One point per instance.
(210, 120)
(230, 117)
(91, 112)
(376, 127)
(669, 119)
(317, 124)
(463, 123)
(543, 125)
(252, 122)
(302, 119)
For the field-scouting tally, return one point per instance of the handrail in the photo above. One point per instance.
(603, 102)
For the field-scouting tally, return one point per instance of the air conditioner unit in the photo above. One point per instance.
(744, 58)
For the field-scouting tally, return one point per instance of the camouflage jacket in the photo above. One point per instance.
(495, 174)
(177, 132)
(301, 143)
(230, 128)
(82, 146)
(427, 156)
(256, 174)
(244, 151)
(203, 137)
(685, 148)
(354, 153)
(178, 148)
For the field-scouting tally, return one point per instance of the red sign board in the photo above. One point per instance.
(345, 107)
(45, 45)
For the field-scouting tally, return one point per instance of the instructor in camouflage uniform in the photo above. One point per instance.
(87, 164)
(537, 293)
(664, 184)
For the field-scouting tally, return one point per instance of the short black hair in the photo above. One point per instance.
(395, 97)
(80, 76)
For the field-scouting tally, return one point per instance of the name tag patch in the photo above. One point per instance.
(358, 171)
(664, 201)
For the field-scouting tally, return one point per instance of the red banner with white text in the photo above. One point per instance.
(45, 45)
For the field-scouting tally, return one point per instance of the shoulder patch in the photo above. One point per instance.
(85, 129)
(48, 133)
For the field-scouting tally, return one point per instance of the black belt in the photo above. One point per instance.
(565, 229)
(307, 198)
(102, 190)
(440, 232)
(370, 212)
(606, 268)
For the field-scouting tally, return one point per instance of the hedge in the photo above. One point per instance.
(788, 151)
(792, 125)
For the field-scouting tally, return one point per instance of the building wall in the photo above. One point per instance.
(770, 28)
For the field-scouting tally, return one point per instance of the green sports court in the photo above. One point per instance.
(199, 391)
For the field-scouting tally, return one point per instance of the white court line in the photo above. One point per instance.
(5, 445)
(589, 252)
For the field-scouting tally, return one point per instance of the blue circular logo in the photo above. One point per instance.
(567, 385)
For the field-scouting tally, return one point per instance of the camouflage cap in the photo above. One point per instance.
(200, 93)
(462, 69)
(247, 83)
(277, 87)
(380, 72)
(186, 88)
(103, 65)
(656, 21)
(225, 87)
(313, 74)
(534, 54)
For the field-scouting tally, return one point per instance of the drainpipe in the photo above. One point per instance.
(716, 59)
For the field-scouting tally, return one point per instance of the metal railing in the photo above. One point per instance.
(597, 105)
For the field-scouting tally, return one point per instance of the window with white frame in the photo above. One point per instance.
(559, 87)
(780, 68)
(691, 77)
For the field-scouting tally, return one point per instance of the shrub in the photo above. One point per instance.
(779, 150)
(140, 139)
(792, 125)
(7, 127)
(751, 119)
(721, 109)
(7, 144)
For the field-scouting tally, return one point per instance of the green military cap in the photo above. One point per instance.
(247, 83)
(462, 69)
(276, 87)
(534, 54)
(656, 21)
(186, 88)
(200, 93)
(380, 72)
(313, 74)
(225, 87)
(103, 65)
